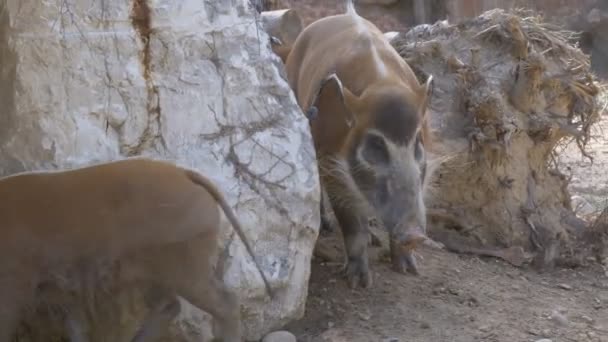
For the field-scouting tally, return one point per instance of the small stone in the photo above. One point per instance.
(597, 306)
(454, 292)
(365, 316)
(544, 340)
(330, 324)
(280, 336)
(425, 325)
(473, 302)
(587, 319)
(559, 318)
(485, 328)
(390, 339)
(565, 287)
(591, 334)
(333, 335)
(561, 309)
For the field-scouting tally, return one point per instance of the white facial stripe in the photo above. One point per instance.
(394, 147)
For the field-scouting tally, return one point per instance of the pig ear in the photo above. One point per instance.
(335, 122)
(427, 94)
(291, 26)
(337, 103)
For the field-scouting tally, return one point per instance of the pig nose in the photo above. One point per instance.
(413, 236)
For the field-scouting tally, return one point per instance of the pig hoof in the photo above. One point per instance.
(410, 261)
(357, 273)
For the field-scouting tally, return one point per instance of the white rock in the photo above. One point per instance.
(559, 318)
(280, 336)
(544, 340)
(587, 319)
(77, 89)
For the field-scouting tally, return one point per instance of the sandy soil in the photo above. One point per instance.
(465, 298)
(460, 299)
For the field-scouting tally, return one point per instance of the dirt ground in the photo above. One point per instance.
(465, 298)
(460, 299)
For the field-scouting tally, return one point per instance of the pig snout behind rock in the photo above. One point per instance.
(402, 250)
(412, 238)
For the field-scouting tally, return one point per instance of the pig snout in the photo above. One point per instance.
(412, 237)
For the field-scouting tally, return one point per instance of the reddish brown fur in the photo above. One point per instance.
(321, 51)
(159, 219)
(344, 66)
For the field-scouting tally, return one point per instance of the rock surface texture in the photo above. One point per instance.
(508, 91)
(192, 81)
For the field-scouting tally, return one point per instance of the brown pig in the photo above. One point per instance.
(161, 220)
(367, 115)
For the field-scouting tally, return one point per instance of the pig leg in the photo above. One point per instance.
(76, 327)
(186, 269)
(327, 224)
(9, 317)
(350, 209)
(157, 322)
(14, 296)
(410, 262)
(75, 323)
(214, 298)
(356, 238)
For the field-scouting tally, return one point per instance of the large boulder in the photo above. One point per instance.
(191, 81)
(510, 89)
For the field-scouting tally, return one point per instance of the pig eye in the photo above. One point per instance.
(375, 150)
